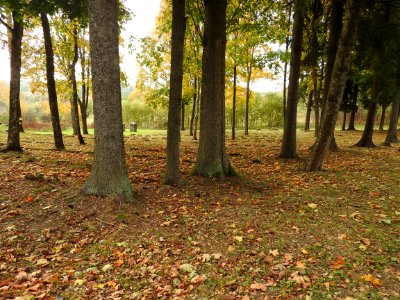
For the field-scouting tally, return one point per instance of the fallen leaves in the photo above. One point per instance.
(258, 287)
(376, 282)
(338, 263)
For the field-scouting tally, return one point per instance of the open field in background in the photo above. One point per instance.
(273, 232)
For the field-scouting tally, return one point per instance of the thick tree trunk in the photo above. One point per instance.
(287, 44)
(366, 139)
(74, 99)
(391, 136)
(212, 159)
(335, 28)
(353, 109)
(193, 107)
(288, 149)
(337, 85)
(172, 172)
(382, 122)
(234, 103)
(51, 84)
(109, 174)
(308, 113)
(13, 138)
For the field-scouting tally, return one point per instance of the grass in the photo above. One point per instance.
(273, 232)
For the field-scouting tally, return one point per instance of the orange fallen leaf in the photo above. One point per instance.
(338, 263)
(29, 199)
(371, 279)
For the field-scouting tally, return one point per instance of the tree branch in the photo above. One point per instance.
(5, 24)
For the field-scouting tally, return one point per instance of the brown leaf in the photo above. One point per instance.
(338, 263)
(258, 286)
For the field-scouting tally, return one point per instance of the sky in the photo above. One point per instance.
(141, 25)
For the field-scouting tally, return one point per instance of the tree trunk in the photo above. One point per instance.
(288, 149)
(335, 28)
(287, 43)
(337, 85)
(344, 121)
(172, 172)
(196, 117)
(194, 106)
(83, 102)
(51, 84)
(234, 103)
(382, 122)
(74, 99)
(109, 174)
(391, 136)
(248, 79)
(317, 114)
(308, 113)
(353, 108)
(366, 139)
(183, 116)
(13, 138)
(212, 159)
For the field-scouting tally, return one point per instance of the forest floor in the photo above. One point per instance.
(274, 232)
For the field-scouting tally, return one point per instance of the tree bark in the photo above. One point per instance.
(183, 116)
(288, 149)
(287, 43)
(109, 174)
(344, 120)
(335, 28)
(382, 122)
(391, 136)
(193, 107)
(366, 139)
(13, 137)
(83, 104)
(74, 98)
(248, 79)
(308, 113)
(196, 117)
(212, 159)
(234, 103)
(172, 172)
(51, 84)
(337, 85)
(353, 108)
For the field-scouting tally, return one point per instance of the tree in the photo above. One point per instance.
(72, 80)
(288, 149)
(212, 159)
(337, 85)
(51, 84)
(172, 174)
(379, 37)
(391, 136)
(335, 28)
(16, 30)
(109, 174)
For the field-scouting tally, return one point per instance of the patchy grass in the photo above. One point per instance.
(273, 232)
